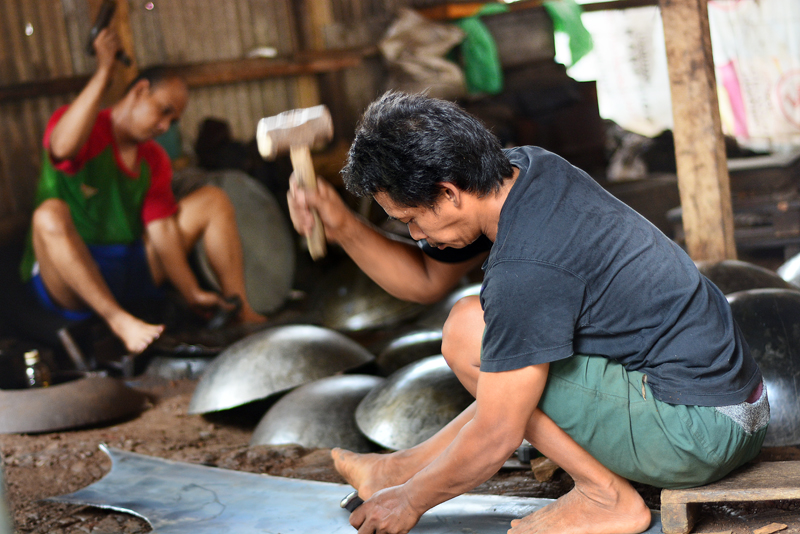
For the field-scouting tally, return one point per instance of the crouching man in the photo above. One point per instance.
(595, 337)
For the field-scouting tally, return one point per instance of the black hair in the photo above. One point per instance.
(406, 144)
(155, 75)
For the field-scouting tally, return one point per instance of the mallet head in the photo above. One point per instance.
(297, 127)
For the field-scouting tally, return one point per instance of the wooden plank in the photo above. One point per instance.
(765, 481)
(699, 146)
(211, 72)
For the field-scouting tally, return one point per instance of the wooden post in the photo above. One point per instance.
(703, 178)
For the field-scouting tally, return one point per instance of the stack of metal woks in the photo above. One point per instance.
(770, 322)
(350, 301)
(731, 276)
(320, 414)
(274, 360)
(413, 404)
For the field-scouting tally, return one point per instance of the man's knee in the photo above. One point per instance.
(463, 330)
(51, 216)
(211, 199)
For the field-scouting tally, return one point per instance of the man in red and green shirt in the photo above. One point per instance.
(107, 228)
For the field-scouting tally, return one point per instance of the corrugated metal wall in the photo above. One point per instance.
(46, 39)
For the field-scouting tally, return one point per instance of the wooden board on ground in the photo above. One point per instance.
(767, 481)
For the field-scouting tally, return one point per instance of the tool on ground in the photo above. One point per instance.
(102, 21)
(351, 502)
(223, 315)
(296, 131)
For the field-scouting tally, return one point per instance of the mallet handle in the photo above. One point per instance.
(304, 170)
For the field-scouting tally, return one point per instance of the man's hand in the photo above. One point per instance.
(387, 512)
(106, 45)
(332, 210)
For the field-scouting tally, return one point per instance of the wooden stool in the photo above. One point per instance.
(765, 481)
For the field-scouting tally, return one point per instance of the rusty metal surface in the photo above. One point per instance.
(77, 403)
(181, 498)
(770, 322)
(409, 348)
(320, 414)
(413, 404)
(733, 275)
(273, 360)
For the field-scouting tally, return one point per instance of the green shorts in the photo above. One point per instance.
(611, 412)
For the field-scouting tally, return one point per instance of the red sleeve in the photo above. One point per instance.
(159, 202)
(98, 140)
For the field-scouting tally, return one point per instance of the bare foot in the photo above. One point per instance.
(621, 511)
(136, 334)
(248, 315)
(368, 473)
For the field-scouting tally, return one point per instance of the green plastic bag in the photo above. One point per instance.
(481, 63)
(566, 16)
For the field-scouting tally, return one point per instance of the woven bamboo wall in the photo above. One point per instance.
(46, 39)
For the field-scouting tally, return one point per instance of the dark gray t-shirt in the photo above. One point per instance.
(574, 270)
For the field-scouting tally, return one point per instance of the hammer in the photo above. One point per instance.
(297, 130)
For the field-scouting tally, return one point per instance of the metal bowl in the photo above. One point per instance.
(733, 275)
(770, 322)
(320, 414)
(409, 348)
(436, 316)
(273, 360)
(413, 404)
(351, 302)
(82, 402)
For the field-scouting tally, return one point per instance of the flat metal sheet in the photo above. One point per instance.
(181, 498)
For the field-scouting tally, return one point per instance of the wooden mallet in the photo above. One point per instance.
(296, 131)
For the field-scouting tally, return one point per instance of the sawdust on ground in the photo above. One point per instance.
(47, 465)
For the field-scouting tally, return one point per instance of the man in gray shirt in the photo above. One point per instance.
(594, 337)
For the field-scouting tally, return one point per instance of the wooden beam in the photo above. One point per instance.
(703, 178)
(212, 72)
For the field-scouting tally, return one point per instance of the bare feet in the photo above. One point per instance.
(136, 334)
(620, 511)
(368, 473)
(248, 315)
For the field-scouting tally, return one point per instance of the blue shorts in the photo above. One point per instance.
(125, 270)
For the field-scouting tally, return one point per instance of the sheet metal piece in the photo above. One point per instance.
(267, 242)
(77, 403)
(181, 498)
(733, 275)
(320, 414)
(409, 348)
(349, 301)
(413, 404)
(274, 360)
(770, 322)
(436, 316)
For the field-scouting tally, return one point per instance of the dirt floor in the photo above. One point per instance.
(45, 465)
